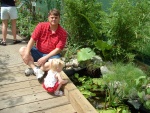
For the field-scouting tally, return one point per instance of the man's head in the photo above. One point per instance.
(54, 12)
(54, 17)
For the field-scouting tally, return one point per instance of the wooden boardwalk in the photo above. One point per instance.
(21, 94)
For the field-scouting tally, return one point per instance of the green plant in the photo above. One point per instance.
(71, 51)
(121, 30)
(25, 25)
(43, 7)
(98, 43)
(120, 109)
(86, 58)
(121, 83)
(127, 27)
(103, 46)
(76, 25)
(85, 54)
(86, 87)
(144, 91)
(95, 88)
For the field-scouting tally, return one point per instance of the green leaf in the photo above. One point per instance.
(148, 104)
(94, 86)
(101, 45)
(85, 92)
(139, 79)
(108, 111)
(124, 111)
(98, 81)
(148, 91)
(86, 86)
(76, 75)
(85, 54)
(94, 28)
(141, 94)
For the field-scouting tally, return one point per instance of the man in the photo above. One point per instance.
(50, 38)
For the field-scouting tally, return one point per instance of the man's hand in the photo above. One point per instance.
(26, 58)
(42, 61)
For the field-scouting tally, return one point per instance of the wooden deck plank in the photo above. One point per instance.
(4, 70)
(61, 109)
(21, 92)
(36, 106)
(18, 85)
(25, 99)
(13, 78)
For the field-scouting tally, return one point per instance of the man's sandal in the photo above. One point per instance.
(3, 43)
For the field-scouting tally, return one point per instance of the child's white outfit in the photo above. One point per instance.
(51, 83)
(50, 80)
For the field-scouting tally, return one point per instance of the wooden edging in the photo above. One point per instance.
(77, 100)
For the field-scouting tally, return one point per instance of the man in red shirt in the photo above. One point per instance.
(50, 39)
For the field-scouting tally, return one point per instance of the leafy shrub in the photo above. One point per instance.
(77, 26)
(144, 91)
(43, 7)
(127, 27)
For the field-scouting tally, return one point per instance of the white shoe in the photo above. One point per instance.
(38, 72)
(58, 93)
(29, 71)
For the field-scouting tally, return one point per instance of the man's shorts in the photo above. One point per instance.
(9, 13)
(36, 54)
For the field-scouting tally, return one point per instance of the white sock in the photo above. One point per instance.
(35, 69)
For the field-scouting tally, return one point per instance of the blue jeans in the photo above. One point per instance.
(36, 54)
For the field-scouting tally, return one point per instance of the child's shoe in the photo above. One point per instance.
(58, 93)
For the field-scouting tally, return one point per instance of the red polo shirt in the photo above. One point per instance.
(46, 41)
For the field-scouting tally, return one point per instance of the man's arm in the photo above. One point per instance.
(52, 53)
(29, 45)
(42, 60)
(27, 56)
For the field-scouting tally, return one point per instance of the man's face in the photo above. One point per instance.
(54, 20)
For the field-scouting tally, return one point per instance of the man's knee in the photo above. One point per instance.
(22, 50)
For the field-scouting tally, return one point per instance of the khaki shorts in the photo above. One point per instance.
(9, 13)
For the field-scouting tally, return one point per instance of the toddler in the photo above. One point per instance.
(53, 81)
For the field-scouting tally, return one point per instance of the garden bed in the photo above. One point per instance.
(100, 103)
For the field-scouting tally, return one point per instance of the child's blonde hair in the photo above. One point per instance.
(57, 63)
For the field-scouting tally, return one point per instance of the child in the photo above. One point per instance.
(53, 81)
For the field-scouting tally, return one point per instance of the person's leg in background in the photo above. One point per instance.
(4, 18)
(13, 16)
(4, 30)
(13, 28)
